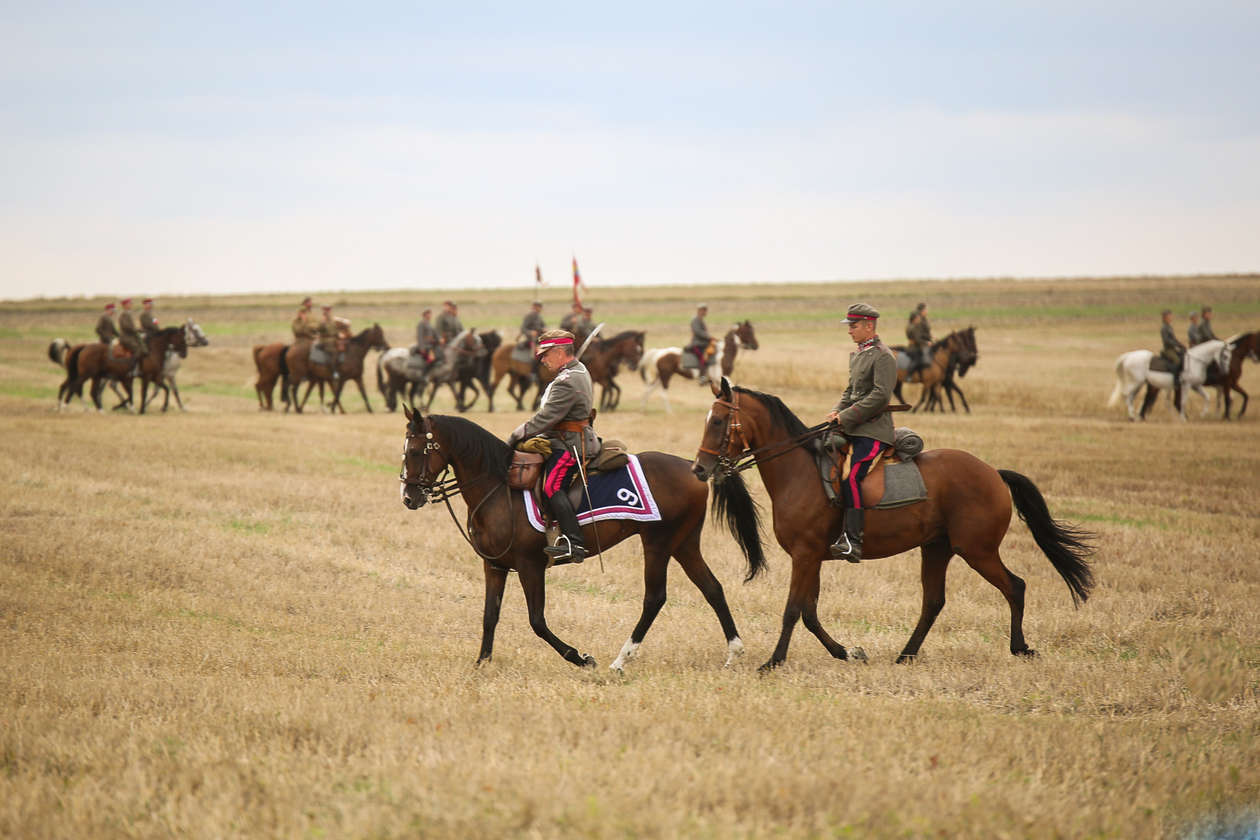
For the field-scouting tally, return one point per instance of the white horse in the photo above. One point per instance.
(1133, 370)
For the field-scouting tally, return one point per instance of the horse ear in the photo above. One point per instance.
(407, 412)
(723, 390)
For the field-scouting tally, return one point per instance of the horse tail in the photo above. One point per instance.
(390, 399)
(1067, 546)
(258, 348)
(72, 363)
(1118, 391)
(732, 503)
(57, 350)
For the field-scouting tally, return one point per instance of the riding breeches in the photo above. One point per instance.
(865, 451)
(558, 470)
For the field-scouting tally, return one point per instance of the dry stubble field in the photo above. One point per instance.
(224, 623)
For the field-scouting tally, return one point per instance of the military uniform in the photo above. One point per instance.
(919, 334)
(106, 329)
(862, 414)
(426, 340)
(700, 337)
(1173, 350)
(303, 329)
(129, 334)
(1194, 335)
(1206, 333)
(448, 326)
(327, 332)
(532, 326)
(563, 417)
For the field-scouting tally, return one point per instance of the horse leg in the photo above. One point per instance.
(989, 564)
(495, 580)
(359, 381)
(962, 397)
(797, 591)
(1246, 399)
(935, 561)
(144, 393)
(1148, 400)
(689, 557)
(655, 572)
(616, 395)
(533, 582)
(809, 615)
(179, 402)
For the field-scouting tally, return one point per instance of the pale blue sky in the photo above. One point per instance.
(151, 148)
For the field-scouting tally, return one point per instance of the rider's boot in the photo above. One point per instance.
(569, 548)
(849, 545)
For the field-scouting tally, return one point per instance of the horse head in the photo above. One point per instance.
(194, 336)
(731, 428)
(747, 337)
(375, 338)
(423, 459)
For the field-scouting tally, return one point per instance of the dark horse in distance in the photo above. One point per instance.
(967, 512)
(500, 533)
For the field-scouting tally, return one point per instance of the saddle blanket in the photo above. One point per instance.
(903, 485)
(690, 361)
(620, 494)
(319, 356)
(523, 353)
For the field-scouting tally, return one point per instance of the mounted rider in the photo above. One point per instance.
(532, 326)
(571, 318)
(1173, 350)
(106, 329)
(303, 329)
(332, 335)
(1206, 333)
(1194, 332)
(919, 334)
(448, 324)
(862, 414)
(564, 418)
(426, 338)
(148, 322)
(129, 334)
(702, 345)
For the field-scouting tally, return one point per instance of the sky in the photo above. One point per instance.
(169, 147)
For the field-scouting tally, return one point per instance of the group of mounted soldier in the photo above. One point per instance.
(131, 333)
(1173, 351)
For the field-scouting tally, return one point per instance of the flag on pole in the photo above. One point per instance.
(538, 281)
(577, 282)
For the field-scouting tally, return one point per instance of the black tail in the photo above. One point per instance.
(391, 400)
(1066, 545)
(284, 361)
(54, 350)
(72, 363)
(732, 503)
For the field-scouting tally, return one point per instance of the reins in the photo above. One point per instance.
(749, 458)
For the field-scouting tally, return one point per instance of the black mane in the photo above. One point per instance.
(475, 448)
(779, 412)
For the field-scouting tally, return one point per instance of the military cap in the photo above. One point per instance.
(553, 338)
(125, 301)
(536, 303)
(426, 312)
(702, 306)
(109, 307)
(862, 312)
(147, 301)
(307, 302)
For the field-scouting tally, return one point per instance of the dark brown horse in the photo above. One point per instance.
(459, 364)
(1245, 346)
(350, 369)
(967, 513)
(96, 362)
(502, 536)
(950, 353)
(605, 356)
(659, 366)
(153, 363)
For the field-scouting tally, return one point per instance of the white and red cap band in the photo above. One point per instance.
(547, 343)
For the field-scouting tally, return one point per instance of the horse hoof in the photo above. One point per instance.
(588, 661)
(768, 667)
(858, 655)
(907, 659)
(1027, 653)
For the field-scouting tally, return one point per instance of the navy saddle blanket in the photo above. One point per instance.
(620, 494)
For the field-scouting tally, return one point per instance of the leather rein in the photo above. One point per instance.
(746, 457)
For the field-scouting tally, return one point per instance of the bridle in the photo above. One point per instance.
(746, 457)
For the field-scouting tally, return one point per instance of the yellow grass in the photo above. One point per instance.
(224, 623)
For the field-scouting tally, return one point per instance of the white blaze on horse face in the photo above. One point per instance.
(628, 651)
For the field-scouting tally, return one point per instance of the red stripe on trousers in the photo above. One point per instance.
(854, 490)
(552, 485)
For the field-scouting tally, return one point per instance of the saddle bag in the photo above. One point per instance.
(613, 455)
(525, 470)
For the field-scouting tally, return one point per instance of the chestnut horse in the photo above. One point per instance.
(967, 512)
(1240, 347)
(269, 361)
(501, 535)
(954, 351)
(97, 362)
(153, 363)
(350, 369)
(661, 365)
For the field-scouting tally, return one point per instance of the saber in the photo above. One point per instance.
(586, 488)
(591, 335)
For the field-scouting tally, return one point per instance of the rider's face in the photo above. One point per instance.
(554, 358)
(860, 331)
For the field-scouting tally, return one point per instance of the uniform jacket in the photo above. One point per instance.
(872, 377)
(569, 321)
(1194, 335)
(106, 330)
(148, 323)
(447, 325)
(128, 334)
(532, 323)
(568, 397)
(327, 332)
(303, 329)
(426, 336)
(1205, 331)
(1169, 338)
(920, 333)
(699, 331)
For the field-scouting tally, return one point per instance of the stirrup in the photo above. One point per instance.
(565, 550)
(843, 549)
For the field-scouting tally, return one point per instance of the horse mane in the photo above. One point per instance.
(362, 336)
(779, 412)
(167, 332)
(940, 342)
(621, 336)
(475, 447)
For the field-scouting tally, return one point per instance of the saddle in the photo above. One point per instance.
(118, 350)
(525, 471)
(893, 481)
(1161, 364)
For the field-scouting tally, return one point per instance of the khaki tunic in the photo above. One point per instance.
(148, 323)
(872, 377)
(129, 334)
(568, 397)
(448, 326)
(327, 333)
(106, 329)
(303, 329)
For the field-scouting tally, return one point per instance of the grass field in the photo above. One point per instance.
(223, 623)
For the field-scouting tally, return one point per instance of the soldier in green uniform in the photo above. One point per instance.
(1193, 334)
(303, 329)
(426, 338)
(448, 324)
(129, 334)
(327, 333)
(532, 326)
(106, 329)
(1173, 350)
(563, 417)
(571, 318)
(148, 323)
(1206, 333)
(862, 414)
(919, 334)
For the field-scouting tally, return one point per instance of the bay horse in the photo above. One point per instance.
(269, 361)
(59, 350)
(501, 535)
(194, 336)
(350, 369)
(957, 367)
(604, 357)
(967, 512)
(153, 363)
(950, 352)
(660, 365)
(1240, 347)
(97, 362)
(521, 375)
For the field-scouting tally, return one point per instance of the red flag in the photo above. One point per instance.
(538, 281)
(577, 282)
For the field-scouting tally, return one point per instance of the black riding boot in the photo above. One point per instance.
(849, 545)
(569, 548)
